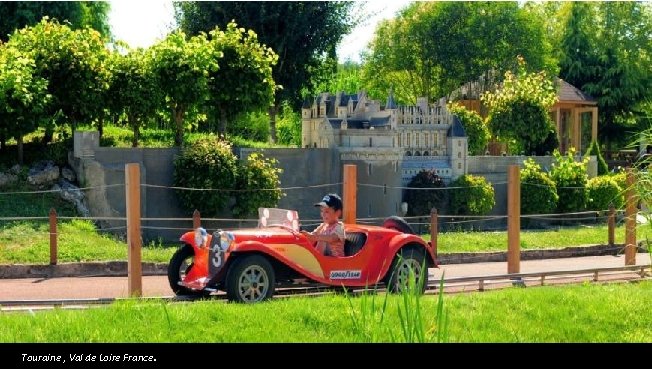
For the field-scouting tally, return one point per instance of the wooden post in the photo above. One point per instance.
(196, 219)
(134, 267)
(630, 220)
(350, 196)
(433, 230)
(53, 237)
(611, 225)
(513, 219)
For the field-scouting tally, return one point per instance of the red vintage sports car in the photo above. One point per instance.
(249, 264)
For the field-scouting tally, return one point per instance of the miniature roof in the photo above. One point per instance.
(456, 129)
(568, 93)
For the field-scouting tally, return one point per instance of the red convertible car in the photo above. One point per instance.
(249, 264)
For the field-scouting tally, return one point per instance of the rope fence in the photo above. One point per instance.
(612, 216)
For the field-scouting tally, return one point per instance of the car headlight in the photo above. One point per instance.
(201, 236)
(226, 239)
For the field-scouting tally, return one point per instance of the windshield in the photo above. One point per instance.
(269, 217)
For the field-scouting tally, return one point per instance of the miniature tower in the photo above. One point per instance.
(457, 148)
(306, 129)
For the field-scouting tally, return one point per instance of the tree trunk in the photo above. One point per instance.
(49, 133)
(272, 122)
(19, 140)
(100, 124)
(136, 128)
(221, 126)
(177, 113)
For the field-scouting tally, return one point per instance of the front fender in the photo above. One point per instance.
(401, 240)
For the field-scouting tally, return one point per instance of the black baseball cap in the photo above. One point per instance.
(332, 201)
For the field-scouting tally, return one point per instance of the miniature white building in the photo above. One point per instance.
(415, 137)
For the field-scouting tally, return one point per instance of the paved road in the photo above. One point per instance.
(111, 287)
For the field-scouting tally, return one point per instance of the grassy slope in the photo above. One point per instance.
(579, 313)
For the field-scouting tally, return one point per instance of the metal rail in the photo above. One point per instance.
(318, 290)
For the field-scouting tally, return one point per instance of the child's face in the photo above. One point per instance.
(329, 215)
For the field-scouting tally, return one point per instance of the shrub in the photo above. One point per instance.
(475, 197)
(570, 177)
(603, 191)
(205, 163)
(258, 185)
(594, 150)
(288, 127)
(254, 126)
(538, 191)
(474, 126)
(420, 202)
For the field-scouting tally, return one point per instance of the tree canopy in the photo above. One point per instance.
(15, 15)
(303, 35)
(432, 48)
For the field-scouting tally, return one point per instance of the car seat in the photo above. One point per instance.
(354, 243)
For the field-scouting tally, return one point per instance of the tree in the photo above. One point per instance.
(432, 48)
(23, 95)
(243, 81)
(182, 68)
(134, 89)
(578, 62)
(15, 15)
(303, 35)
(518, 111)
(607, 52)
(74, 64)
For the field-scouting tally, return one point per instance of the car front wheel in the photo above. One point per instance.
(408, 263)
(179, 266)
(250, 279)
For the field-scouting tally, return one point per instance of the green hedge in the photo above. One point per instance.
(474, 197)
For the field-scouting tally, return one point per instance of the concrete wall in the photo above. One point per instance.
(307, 175)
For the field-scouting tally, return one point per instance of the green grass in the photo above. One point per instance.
(452, 242)
(79, 240)
(115, 136)
(579, 313)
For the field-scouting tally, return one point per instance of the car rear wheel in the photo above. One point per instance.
(408, 263)
(179, 266)
(399, 224)
(250, 279)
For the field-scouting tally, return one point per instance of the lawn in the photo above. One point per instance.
(577, 313)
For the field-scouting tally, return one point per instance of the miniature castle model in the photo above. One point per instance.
(413, 138)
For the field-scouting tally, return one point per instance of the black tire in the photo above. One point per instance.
(399, 224)
(180, 264)
(250, 279)
(407, 261)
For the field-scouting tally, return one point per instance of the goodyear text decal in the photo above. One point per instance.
(345, 274)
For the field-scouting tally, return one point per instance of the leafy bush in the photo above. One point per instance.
(475, 128)
(475, 197)
(206, 163)
(254, 126)
(420, 202)
(288, 127)
(570, 177)
(258, 185)
(518, 111)
(603, 191)
(594, 150)
(209, 163)
(538, 191)
(548, 145)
